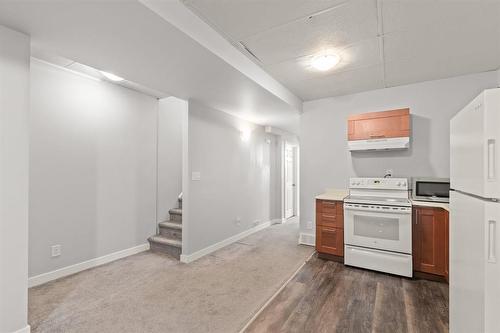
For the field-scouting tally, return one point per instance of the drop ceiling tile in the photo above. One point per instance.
(242, 18)
(412, 15)
(449, 51)
(362, 54)
(411, 71)
(342, 83)
(434, 68)
(351, 22)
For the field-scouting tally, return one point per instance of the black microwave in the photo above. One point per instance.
(431, 189)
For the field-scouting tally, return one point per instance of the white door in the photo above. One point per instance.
(290, 185)
(474, 139)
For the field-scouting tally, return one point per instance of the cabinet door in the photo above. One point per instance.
(429, 240)
(330, 240)
(330, 213)
(446, 246)
(376, 125)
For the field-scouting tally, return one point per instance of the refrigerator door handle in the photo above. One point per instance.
(491, 159)
(492, 258)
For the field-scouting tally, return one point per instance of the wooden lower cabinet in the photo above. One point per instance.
(330, 227)
(330, 240)
(430, 241)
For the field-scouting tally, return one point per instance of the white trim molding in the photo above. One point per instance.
(187, 258)
(277, 221)
(65, 271)
(307, 239)
(26, 329)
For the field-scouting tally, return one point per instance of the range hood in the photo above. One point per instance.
(379, 144)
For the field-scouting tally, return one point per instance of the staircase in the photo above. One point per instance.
(169, 238)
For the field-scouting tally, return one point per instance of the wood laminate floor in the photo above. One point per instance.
(326, 296)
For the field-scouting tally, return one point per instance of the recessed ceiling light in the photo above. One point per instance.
(325, 62)
(111, 76)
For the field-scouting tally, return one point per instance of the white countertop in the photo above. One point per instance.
(340, 194)
(444, 205)
(333, 194)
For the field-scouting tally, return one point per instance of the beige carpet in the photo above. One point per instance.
(148, 292)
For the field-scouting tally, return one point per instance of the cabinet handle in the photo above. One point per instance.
(491, 159)
(492, 241)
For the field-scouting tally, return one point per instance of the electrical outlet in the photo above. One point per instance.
(56, 250)
(238, 221)
(309, 225)
(196, 175)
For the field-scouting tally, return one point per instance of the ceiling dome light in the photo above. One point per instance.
(325, 62)
(111, 76)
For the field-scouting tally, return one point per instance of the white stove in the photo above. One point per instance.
(377, 225)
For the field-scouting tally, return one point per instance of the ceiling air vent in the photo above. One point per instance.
(249, 51)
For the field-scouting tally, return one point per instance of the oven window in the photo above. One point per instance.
(376, 227)
(432, 189)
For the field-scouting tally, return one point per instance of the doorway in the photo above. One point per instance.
(291, 180)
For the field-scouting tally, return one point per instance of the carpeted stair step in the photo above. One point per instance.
(166, 245)
(175, 214)
(171, 230)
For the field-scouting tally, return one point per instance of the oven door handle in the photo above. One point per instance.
(390, 210)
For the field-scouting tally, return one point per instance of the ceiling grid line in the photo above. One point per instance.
(298, 19)
(380, 36)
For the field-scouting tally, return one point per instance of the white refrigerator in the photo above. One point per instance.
(475, 216)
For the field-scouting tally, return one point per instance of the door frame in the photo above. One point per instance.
(296, 152)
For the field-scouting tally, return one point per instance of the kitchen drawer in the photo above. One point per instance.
(330, 240)
(330, 208)
(330, 213)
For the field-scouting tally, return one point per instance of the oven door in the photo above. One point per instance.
(378, 227)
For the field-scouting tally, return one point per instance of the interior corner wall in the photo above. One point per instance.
(14, 163)
(170, 122)
(326, 161)
(233, 193)
(92, 169)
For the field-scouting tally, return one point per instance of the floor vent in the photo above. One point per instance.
(307, 239)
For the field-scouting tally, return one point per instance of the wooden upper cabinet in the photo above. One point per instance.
(377, 125)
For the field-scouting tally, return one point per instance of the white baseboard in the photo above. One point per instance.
(65, 271)
(307, 239)
(276, 221)
(26, 329)
(187, 258)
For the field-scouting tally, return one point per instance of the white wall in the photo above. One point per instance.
(235, 178)
(14, 98)
(170, 121)
(326, 161)
(92, 170)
